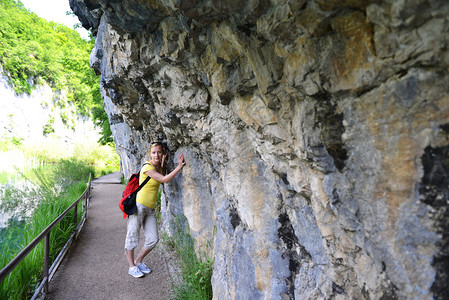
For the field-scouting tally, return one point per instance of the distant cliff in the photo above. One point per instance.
(316, 135)
(45, 113)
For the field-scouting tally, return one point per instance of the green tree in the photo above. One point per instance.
(34, 51)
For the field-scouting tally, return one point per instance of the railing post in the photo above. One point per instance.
(46, 261)
(85, 201)
(75, 215)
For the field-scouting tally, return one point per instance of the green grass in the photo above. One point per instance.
(23, 157)
(58, 192)
(58, 178)
(196, 266)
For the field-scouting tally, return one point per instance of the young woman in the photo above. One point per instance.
(146, 202)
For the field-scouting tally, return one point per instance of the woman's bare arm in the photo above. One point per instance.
(167, 178)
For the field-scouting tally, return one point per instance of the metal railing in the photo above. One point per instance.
(45, 234)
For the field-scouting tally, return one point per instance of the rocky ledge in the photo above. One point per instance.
(316, 135)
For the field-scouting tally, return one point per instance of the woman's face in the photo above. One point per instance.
(156, 153)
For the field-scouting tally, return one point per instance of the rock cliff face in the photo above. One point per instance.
(316, 135)
(42, 117)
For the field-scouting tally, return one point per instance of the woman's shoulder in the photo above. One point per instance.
(148, 166)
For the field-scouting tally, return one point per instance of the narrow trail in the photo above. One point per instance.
(96, 267)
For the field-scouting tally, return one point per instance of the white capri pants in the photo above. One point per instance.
(146, 218)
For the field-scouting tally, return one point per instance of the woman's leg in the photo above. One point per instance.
(151, 235)
(132, 235)
(143, 252)
(130, 257)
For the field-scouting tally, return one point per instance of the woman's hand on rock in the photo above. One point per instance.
(181, 161)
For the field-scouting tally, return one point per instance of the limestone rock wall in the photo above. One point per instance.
(316, 135)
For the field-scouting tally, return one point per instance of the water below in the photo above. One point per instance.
(19, 197)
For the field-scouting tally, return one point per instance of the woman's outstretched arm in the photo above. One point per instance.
(167, 178)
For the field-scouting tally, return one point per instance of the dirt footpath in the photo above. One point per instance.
(96, 267)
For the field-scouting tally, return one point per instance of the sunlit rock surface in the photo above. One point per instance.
(316, 135)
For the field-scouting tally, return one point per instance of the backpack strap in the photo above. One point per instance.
(144, 182)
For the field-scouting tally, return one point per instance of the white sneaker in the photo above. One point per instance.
(143, 268)
(135, 272)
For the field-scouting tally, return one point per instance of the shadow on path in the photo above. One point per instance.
(96, 267)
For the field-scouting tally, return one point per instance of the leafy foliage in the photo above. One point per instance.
(35, 51)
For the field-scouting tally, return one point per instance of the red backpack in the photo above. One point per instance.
(128, 202)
